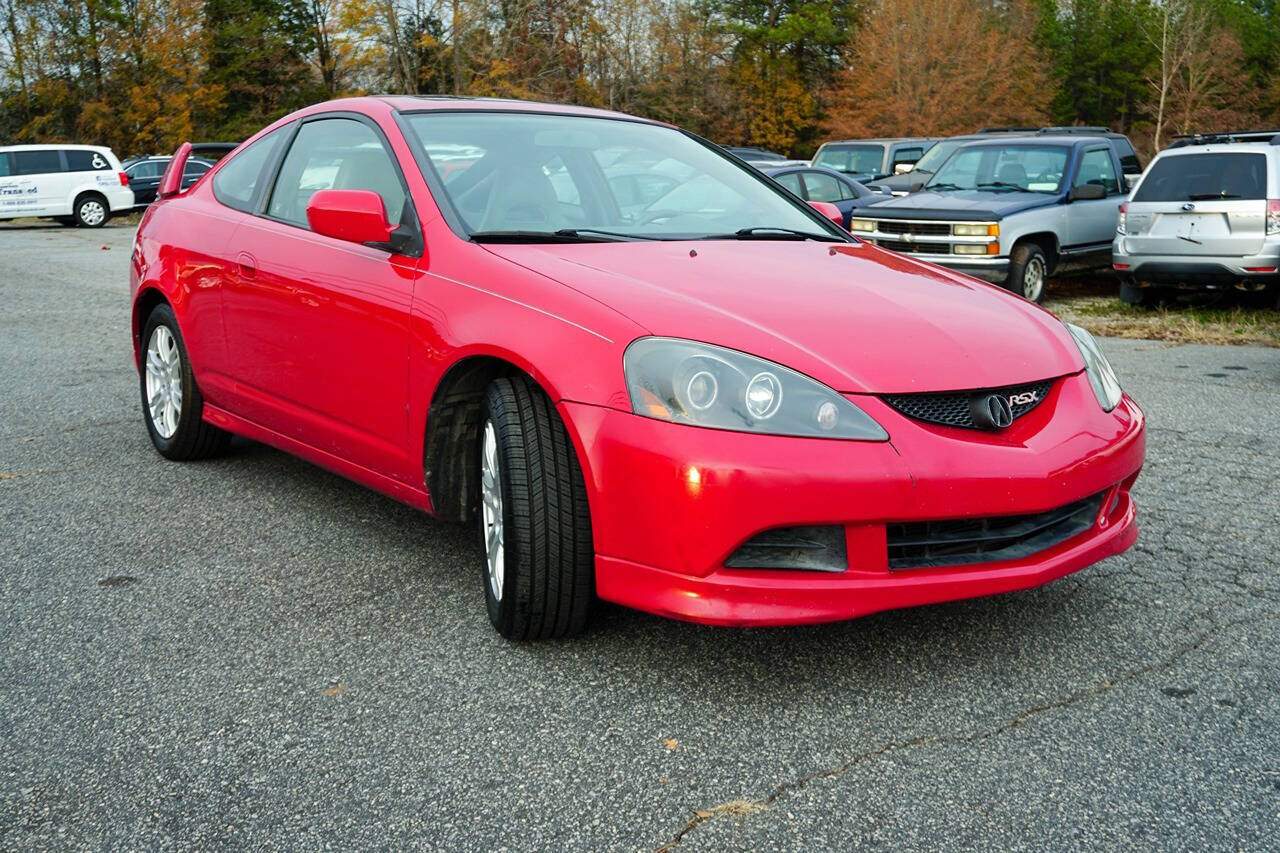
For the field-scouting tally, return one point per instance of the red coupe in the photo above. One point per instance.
(645, 372)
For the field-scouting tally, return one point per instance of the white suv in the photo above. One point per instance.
(1205, 215)
(74, 184)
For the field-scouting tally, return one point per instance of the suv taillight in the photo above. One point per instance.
(1273, 216)
(124, 179)
(1120, 218)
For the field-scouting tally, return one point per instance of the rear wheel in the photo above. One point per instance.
(171, 403)
(539, 562)
(1146, 297)
(1028, 272)
(92, 211)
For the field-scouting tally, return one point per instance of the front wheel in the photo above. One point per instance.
(539, 561)
(171, 403)
(1028, 272)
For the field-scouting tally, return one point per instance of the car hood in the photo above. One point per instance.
(968, 204)
(856, 317)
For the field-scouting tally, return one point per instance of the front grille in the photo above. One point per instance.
(915, 248)
(933, 229)
(951, 408)
(929, 544)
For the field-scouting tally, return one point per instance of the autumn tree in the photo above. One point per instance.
(938, 67)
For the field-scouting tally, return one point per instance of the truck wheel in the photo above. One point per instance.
(92, 211)
(1028, 271)
(539, 561)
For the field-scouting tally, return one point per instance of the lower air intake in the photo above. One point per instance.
(813, 549)
(929, 544)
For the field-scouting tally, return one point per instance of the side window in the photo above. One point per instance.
(334, 154)
(86, 161)
(147, 169)
(4, 165)
(195, 168)
(36, 162)
(1096, 168)
(1129, 161)
(236, 182)
(792, 182)
(823, 187)
(906, 155)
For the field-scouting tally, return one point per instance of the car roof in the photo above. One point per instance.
(880, 139)
(1219, 148)
(57, 146)
(420, 103)
(1062, 141)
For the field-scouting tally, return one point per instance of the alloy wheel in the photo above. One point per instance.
(164, 381)
(1033, 279)
(491, 509)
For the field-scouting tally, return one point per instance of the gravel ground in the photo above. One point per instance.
(251, 652)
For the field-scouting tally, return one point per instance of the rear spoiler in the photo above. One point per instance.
(171, 183)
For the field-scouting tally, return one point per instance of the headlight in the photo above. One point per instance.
(1103, 379)
(693, 383)
(862, 225)
(966, 229)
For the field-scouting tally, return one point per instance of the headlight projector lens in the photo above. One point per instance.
(764, 396)
(701, 390)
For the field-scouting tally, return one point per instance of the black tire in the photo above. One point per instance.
(91, 211)
(1145, 297)
(1027, 266)
(548, 567)
(193, 438)
(68, 221)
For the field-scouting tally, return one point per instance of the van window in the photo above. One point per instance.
(237, 181)
(1204, 177)
(86, 161)
(4, 165)
(36, 162)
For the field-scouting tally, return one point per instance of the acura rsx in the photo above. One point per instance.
(646, 373)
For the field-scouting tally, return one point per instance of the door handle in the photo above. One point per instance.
(248, 266)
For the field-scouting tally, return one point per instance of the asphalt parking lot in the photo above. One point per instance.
(252, 652)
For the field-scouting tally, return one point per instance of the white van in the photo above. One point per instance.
(74, 184)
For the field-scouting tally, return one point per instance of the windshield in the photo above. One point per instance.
(937, 155)
(1009, 168)
(519, 176)
(852, 159)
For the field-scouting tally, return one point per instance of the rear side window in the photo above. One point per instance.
(825, 188)
(4, 165)
(147, 169)
(906, 155)
(237, 182)
(87, 161)
(1129, 161)
(1203, 177)
(36, 162)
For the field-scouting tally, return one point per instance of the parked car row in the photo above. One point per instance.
(1016, 205)
(86, 185)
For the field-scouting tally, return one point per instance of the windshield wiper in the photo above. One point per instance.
(943, 186)
(1002, 185)
(771, 232)
(566, 235)
(577, 232)
(1211, 196)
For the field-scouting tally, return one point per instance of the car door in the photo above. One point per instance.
(39, 182)
(317, 328)
(144, 179)
(1091, 224)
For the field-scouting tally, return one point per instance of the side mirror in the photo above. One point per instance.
(829, 210)
(903, 168)
(1087, 192)
(357, 216)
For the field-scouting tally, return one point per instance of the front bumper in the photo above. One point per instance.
(670, 503)
(1208, 271)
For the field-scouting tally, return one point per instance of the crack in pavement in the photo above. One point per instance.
(742, 807)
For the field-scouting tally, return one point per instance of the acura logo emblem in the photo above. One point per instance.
(1188, 206)
(990, 411)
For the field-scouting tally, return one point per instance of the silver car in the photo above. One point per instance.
(1205, 215)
